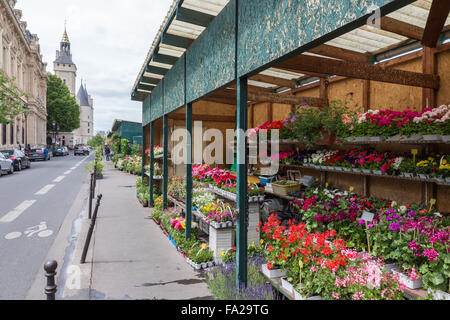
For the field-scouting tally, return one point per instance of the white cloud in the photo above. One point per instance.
(109, 41)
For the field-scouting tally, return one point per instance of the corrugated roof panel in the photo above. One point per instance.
(262, 84)
(282, 74)
(170, 52)
(212, 7)
(186, 30)
(161, 65)
(153, 75)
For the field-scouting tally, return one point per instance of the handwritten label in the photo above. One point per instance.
(352, 189)
(368, 216)
(433, 202)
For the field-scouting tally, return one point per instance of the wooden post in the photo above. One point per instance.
(241, 231)
(188, 170)
(165, 159)
(152, 162)
(429, 66)
(366, 95)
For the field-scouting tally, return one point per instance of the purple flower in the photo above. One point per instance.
(431, 254)
(394, 226)
(413, 245)
(411, 214)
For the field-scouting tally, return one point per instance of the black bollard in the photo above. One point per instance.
(90, 231)
(50, 269)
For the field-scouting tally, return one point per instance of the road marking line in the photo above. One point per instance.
(14, 214)
(44, 190)
(68, 172)
(59, 179)
(73, 168)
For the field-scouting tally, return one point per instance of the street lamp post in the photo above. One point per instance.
(54, 134)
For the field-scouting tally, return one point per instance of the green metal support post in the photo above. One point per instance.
(165, 159)
(152, 160)
(144, 136)
(188, 170)
(241, 231)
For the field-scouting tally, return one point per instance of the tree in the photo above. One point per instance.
(11, 104)
(97, 141)
(61, 106)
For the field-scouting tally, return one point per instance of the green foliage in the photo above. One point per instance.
(97, 141)
(124, 147)
(61, 106)
(11, 104)
(312, 124)
(91, 167)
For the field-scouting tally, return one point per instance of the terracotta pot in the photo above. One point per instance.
(328, 140)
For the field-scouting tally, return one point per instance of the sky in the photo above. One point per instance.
(109, 39)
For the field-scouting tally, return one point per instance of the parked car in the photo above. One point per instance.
(19, 159)
(81, 150)
(6, 165)
(39, 154)
(61, 152)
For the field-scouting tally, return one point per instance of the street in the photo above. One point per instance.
(33, 206)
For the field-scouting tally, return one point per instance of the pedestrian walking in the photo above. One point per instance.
(107, 153)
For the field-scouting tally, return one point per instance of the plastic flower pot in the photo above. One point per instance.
(274, 273)
(204, 265)
(432, 137)
(447, 180)
(347, 169)
(287, 285)
(377, 139)
(390, 267)
(356, 170)
(360, 139)
(349, 139)
(339, 169)
(261, 198)
(423, 176)
(439, 295)
(223, 225)
(405, 279)
(378, 172)
(445, 139)
(197, 266)
(298, 296)
(396, 138)
(367, 171)
(210, 264)
(229, 224)
(440, 180)
(328, 140)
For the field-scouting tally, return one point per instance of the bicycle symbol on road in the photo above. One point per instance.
(41, 231)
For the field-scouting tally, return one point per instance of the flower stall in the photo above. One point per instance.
(368, 116)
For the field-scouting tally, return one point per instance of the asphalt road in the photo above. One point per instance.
(40, 197)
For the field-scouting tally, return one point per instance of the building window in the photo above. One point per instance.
(89, 131)
(23, 135)
(64, 81)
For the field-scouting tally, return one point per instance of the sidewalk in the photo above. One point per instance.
(129, 257)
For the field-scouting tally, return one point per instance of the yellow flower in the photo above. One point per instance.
(204, 246)
(444, 161)
(262, 241)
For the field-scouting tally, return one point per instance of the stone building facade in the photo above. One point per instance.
(20, 58)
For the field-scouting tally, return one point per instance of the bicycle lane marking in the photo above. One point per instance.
(59, 179)
(45, 190)
(14, 214)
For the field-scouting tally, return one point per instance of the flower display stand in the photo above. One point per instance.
(220, 240)
(274, 273)
(287, 285)
(253, 222)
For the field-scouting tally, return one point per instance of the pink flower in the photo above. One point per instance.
(335, 295)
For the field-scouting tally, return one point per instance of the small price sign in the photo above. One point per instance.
(433, 202)
(368, 216)
(352, 189)
(326, 185)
